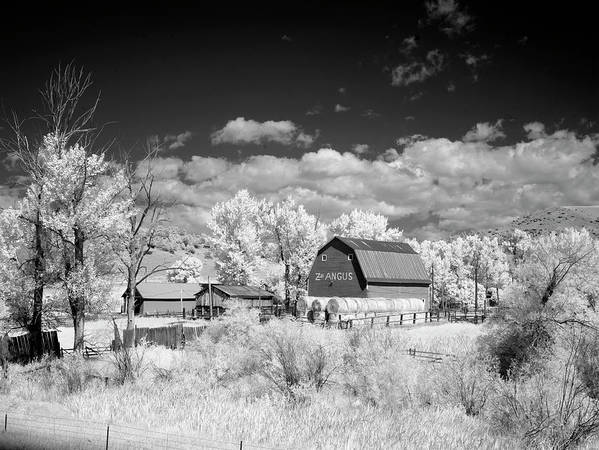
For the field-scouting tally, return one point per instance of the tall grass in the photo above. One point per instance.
(284, 384)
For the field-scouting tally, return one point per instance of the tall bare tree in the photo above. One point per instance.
(146, 217)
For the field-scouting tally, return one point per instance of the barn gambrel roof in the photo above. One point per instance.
(387, 262)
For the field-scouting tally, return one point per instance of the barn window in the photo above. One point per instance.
(350, 257)
(324, 257)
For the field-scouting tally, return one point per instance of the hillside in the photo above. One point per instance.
(558, 218)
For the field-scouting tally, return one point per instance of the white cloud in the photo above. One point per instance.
(174, 141)
(485, 132)
(418, 71)
(408, 44)
(463, 185)
(370, 114)
(451, 87)
(455, 19)
(342, 90)
(389, 155)
(314, 111)
(242, 131)
(474, 62)
(535, 130)
(341, 108)
(418, 95)
(360, 149)
(406, 141)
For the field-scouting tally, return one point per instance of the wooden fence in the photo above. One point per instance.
(428, 356)
(171, 336)
(389, 319)
(20, 348)
(462, 316)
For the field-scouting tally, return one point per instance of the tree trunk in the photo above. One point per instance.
(35, 327)
(130, 299)
(131, 285)
(475, 290)
(77, 300)
(287, 299)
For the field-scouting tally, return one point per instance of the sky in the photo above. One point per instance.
(443, 115)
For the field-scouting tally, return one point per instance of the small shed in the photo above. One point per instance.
(224, 295)
(163, 298)
(349, 267)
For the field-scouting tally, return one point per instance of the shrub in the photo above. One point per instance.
(128, 363)
(467, 380)
(514, 346)
(73, 374)
(550, 407)
(290, 361)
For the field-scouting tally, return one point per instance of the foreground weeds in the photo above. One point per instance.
(284, 384)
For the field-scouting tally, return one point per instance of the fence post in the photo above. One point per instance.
(107, 435)
(414, 320)
(387, 324)
(401, 319)
(5, 420)
(351, 323)
(437, 315)
(240, 445)
(183, 313)
(371, 322)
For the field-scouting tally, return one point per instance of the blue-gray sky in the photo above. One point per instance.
(441, 114)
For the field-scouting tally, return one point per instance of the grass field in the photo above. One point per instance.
(280, 385)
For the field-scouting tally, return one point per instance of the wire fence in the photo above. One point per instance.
(35, 431)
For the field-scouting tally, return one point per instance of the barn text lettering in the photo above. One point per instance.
(337, 276)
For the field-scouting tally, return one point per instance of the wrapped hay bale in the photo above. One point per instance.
(319, 305)
(302, 307)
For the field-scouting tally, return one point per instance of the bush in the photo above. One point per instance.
(468, 380)
(291, 361)
(550, 407)
(72, 374)
(128, 363)
(514, 346)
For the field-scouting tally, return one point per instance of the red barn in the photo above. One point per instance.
(348, 267)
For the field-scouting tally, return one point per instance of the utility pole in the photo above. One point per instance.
(210, 296)
(432, 296)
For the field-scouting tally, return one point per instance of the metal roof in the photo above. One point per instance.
(381, 266)
(167, 291)
(243, 291)
(380, 246)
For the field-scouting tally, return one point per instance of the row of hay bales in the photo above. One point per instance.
(319, 309)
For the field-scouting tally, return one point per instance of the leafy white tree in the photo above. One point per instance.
(80, 204)
(237, 238)
(365, 225)
(186, 270)
(294, 236)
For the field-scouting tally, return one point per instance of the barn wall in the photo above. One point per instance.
(163, 306)
(204, 298)
(405, 291)
(337, 276)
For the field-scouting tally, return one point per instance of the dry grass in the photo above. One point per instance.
(226, 387)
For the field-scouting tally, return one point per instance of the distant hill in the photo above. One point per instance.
(558, 218)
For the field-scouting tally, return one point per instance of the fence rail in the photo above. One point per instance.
(428, 356)
(407, 318)
(36, 431)
(462, 316)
